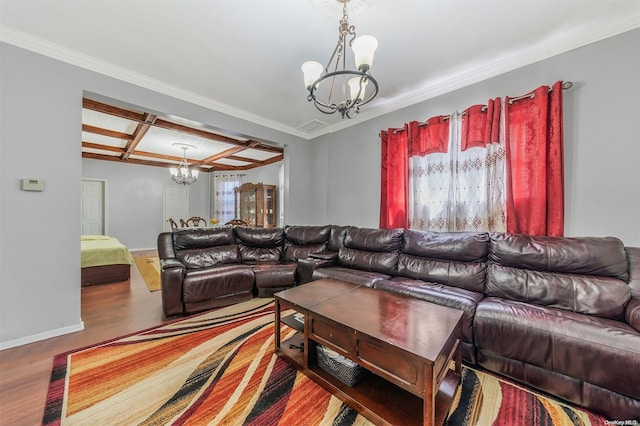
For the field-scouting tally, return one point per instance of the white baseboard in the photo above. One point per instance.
(42, 336)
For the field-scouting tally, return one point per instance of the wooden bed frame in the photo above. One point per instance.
(93, 275)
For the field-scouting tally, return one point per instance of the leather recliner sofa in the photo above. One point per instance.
(561, 315)
(207, 268)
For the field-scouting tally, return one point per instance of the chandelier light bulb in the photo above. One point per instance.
(358, 87)
(312, 71)
(363, 49)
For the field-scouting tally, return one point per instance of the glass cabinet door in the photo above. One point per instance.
(270, 203)
(256, 204)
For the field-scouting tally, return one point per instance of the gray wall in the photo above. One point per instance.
(333, 179)
(602, 141)
(40, 137)
(135, 199)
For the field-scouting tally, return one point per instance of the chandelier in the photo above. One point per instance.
(183, 174)
(340, 77)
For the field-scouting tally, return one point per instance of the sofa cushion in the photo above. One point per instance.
(209, 283)
(250, 254)
(336, 238)
(356, 276)
(468, 275)
(374, 240)
(259, 244)
(259, 237)
(604, 256)
(371, 250)
(594, 350)
(301, 241)
(307, 235)
(202, 238)
(456, 246)
(585, 275)
(293, 252)
(209, 257)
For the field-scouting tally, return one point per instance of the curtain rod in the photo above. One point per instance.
(565, 86)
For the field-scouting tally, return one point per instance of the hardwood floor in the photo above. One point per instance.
(108, 311)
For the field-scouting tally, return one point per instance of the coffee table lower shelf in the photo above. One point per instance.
(377, 399)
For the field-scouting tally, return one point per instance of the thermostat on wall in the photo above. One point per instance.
(32, 184)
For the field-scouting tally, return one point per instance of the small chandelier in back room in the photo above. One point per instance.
(183, 174)
(356, 95)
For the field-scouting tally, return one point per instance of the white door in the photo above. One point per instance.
(92, 217)
(176, 204)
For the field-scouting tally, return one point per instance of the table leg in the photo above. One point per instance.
(277, 325)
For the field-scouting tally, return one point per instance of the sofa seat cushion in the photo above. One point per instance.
(295, 252)
(355, 276)
(279, 275)
(209, 283)
(440, 294)
(594, 350)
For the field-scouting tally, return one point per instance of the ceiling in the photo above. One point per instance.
(243, 57)
(128, 134)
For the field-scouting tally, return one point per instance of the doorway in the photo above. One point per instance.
(93, 207)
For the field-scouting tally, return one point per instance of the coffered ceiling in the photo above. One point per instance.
(243, 57)
(114, 133)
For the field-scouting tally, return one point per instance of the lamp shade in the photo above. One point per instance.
(312, 71)
(363, 49)
(354, 86)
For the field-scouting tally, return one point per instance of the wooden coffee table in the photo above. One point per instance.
(408, 343)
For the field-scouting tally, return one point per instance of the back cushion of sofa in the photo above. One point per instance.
(301, 241)
(336, 238)
(373, 250)
(259, 237)
(259, 244)
(307, 235)
(202, 238)
(209, 257)
(380, 240)
(452, 258)
(586, 275)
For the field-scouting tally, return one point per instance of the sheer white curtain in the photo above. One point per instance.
(225, 206)
(458, 190)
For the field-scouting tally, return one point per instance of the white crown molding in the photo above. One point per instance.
(428, 91)
(55, 51)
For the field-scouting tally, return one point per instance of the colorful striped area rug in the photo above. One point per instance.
(220, 368)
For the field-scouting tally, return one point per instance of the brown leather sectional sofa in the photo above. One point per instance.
(561, 315)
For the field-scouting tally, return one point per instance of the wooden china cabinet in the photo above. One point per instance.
(256, 204)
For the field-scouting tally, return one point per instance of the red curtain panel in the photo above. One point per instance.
(394, 194)
(430, 136)
(535, 173)
(481, 125)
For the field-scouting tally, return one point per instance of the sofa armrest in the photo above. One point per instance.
(307, 265)
(632, 313)
(171, 278)
(171, 262)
